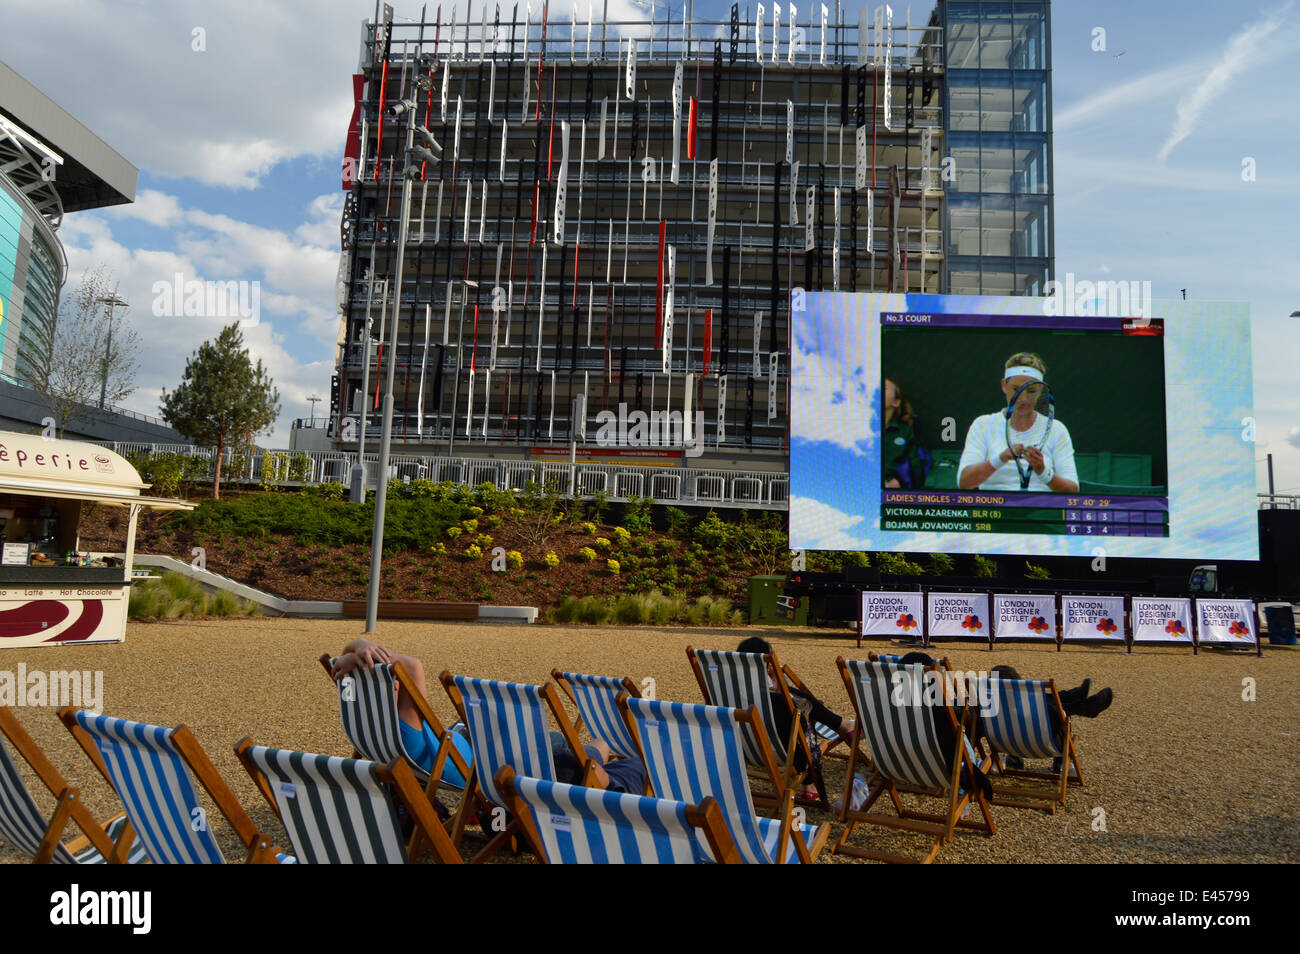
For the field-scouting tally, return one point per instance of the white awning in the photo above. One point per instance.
(72, 470)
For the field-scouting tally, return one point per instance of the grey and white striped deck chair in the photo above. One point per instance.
(596, 699)
(24, 825)
(507, 727)
(149, 767)
(899, 722)
(740, 681)
(372, 723)
(569, 824)
(344, 811)
(1019, 721)
(693, 752)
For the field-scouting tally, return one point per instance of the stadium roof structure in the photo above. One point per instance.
(37, 135)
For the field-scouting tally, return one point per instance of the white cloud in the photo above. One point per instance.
(1242, 51)
(819, 526)
(1122, 98)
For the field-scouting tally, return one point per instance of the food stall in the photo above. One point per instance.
(50, 592)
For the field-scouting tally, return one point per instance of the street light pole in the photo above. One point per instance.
(111, 301)
(410, 169)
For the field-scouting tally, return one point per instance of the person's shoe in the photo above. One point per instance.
(1013, 762)
(1056, 765)
(1096, 705)
(1086, 686)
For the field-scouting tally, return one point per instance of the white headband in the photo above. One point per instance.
(1023, 372)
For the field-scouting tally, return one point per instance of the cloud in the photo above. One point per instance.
(1242, 51)
(1293, 438)
(819, 526)
(1107, 104)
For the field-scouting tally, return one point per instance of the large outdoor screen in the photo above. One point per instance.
(962, 424)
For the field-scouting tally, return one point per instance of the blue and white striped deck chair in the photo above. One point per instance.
(147, 767)
(693, 752)
(372, 723)
(596, 698)
(1018, 720)
(899, 723)
(507, 727)
(569, 824)
(344, 811)
(25, 826)
(740, 681)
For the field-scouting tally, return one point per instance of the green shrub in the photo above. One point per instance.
(898, 564)
(1035, 572)
(586, 554)
(454, 532)
(639, 515)
(492, 522)
(473, 551)
(551, 560)
(602, 543)
(174, 596)
(588, 528)
(514, 559)
(712, 532)
(438, 549)
(613, 566)
(330, 490)
(484, 540)
(984, 567)
(299, 467)
(622, 536)
(679, 521)
(471, 525)
(582, 609)
(940, 564)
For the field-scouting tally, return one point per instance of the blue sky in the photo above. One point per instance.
(239, 144)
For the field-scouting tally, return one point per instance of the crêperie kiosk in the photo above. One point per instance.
(50, 592)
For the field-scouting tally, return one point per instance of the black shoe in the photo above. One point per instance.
(1086, 686)
(1095, 706)
(1056, 765)
(1013, 763)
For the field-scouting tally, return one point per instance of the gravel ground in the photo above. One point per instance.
(1180, 769)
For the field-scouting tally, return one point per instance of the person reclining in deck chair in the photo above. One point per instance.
(808, 704)
(418, 739)
(1076, 702)
(614, 775)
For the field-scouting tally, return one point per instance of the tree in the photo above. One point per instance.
(223, 398)
(92, 352)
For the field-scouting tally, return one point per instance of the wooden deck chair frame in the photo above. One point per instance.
(473, 790)
(258, 846)
(705, 818)
(748, 718)
(940, 828)
(782, 774)
(1013, 796)
(446, 748)
(428, 828)
(69, 808)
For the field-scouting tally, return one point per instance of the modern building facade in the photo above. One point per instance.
(621, 212)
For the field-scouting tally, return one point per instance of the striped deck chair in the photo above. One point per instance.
(569, 824)
(507, 727)
(344, 811)
(1018, 721)
(147, 767)
(596, 698)
(910, 758)
(368, 709)
(24, 825)
(740, 681)
(694, 752)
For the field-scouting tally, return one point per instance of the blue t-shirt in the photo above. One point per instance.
(422, 747)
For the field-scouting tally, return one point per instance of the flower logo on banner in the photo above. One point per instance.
(1239, 629)
(1175, 628)
(972, 623)
(1038, 624)
(905, 622)
(1106, 626)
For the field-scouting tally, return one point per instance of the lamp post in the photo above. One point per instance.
(112, 301)
(413, 157)
(357, 491)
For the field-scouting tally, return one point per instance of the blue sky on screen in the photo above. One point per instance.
(1175, 160)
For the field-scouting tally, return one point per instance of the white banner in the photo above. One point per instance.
(1225, 621)
(1162, 620)
(1025, 616)
(957, 614)
(1093, 617)
(891, 614)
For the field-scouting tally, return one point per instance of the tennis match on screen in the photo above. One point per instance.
(941, 423)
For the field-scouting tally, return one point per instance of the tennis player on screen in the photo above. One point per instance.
(1023, 446)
